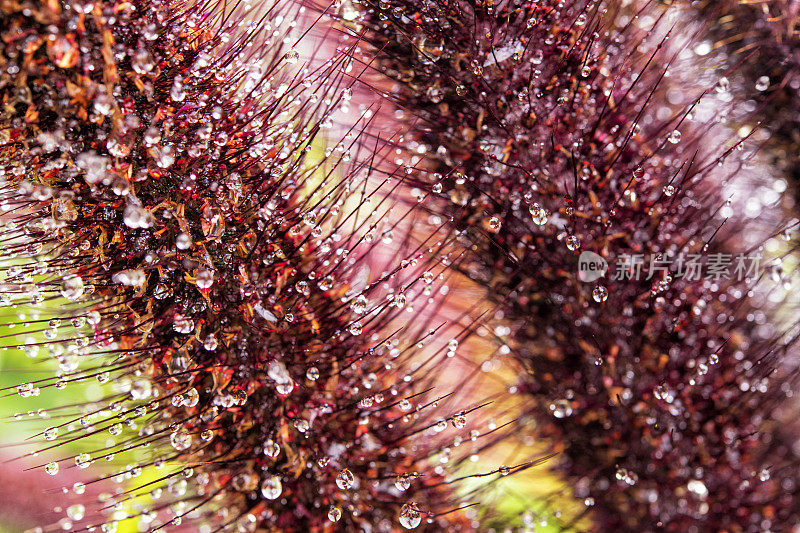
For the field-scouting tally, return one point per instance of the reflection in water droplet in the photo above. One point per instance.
(345, 479)
(410, 516)
(271, 488)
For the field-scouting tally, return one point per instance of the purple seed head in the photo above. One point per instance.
(169, 234)
(552, 130)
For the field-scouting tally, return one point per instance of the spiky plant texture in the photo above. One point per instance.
(173, 231)
(551, 128)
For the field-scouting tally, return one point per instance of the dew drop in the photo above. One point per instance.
(76, 512)
(271, 488)
(600, 294)
(561, 408)
(292, 56)
(573, 243)
(205, 279)
(210, 343)
(142, 61)
(141, 389)
(410, 516)
(181, 440)
(183, 241)
(182, 324)
(345, 479)
(271, 448)
(334, 514)
(359, 304)
(83, 460)
(72, 287)
(403, 482)
(539, 214)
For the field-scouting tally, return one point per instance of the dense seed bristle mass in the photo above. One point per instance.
(550, 129)
(171, 232)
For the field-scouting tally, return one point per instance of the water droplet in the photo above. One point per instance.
(674, 137)
(183, 241)
(573, 243)
(142, 61)
(51, 468)
(182, 324)
(292, 56)
(629, 477)
(271, 488)
(141, 389)
(561, 408)
(83, 460)
(205, 278)
(600, 294)
(271, 448)
(762, 84)
(72, 287)
(539, 214)
(345, 479)
(403, 482)
(164, 156)
(76, 512)
(669, 190)
(178, 92)
(137, 217)
(410, 516)
(50, 433)
(181, 440)
(210, 343)
(359, 304)
(334, 514)
(697, 487)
